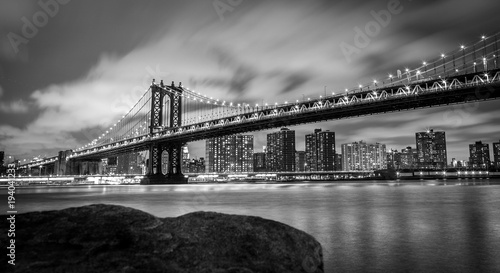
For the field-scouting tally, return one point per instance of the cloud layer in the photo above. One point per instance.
(262, 51)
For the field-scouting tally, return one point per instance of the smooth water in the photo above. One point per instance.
(425, 226)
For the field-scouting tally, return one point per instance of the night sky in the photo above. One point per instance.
(89, 61)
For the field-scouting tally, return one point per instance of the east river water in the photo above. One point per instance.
(420, 226)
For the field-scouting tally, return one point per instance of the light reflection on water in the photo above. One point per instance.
(366, 227)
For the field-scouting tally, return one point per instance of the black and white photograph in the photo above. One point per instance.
(248, 136)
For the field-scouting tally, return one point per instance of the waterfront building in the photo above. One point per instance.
(393, 159)
(320, 151)
(479, 155)
(300, 161)
(196, 165)
(431, 149)
(185, 159)
(496, 154)
(280, 152)
(409, 158)
(361, 156)
(230, 154)
(338, 162)
(259, 162)
(129, 163)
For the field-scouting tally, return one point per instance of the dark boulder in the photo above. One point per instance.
(109, 238)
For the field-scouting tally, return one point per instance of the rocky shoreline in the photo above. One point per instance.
(110, 238)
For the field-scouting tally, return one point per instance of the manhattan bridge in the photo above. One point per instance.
(168, 116)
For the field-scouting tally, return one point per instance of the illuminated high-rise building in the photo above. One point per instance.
(361, 156)
(496, 154)
(320, 151)
(259, 162)
(431, 149)
(479, 155)
(300, 161)
(280, 152)
(408, 158)
(393, 159)
(232, 153)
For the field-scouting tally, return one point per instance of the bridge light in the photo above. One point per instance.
(360, 86)
(424, 63)
(442, 55)
(346, 90)
(462, 47)
(390, 76)
(483, 37)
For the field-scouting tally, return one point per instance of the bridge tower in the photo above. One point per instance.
(165, 158)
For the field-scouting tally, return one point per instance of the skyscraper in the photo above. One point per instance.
(320, 151)
(300, 161)
(409, 158)
(232, 153)
(393, 159)
(496, 153)
(185, 159)
(280, 155)
(431, 148)
(338, 162)
(479, 155)
(363, 157)
(259, 162)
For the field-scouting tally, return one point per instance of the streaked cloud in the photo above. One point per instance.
(263, 51)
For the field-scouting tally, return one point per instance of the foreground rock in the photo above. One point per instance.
(108, 238)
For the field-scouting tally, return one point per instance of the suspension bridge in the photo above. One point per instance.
(167, 116)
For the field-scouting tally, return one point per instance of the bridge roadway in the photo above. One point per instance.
(467, 88)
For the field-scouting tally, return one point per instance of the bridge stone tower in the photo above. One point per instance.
(165, 158)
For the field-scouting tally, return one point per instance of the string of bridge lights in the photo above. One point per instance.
(400, 78)
(94, 142)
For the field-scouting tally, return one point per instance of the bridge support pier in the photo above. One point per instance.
(164, 166)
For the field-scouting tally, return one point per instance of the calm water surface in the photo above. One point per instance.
(426, 226)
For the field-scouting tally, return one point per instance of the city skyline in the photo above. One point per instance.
(47, 110)
(464, 149)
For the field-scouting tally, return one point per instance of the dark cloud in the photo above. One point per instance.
(95, 55)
